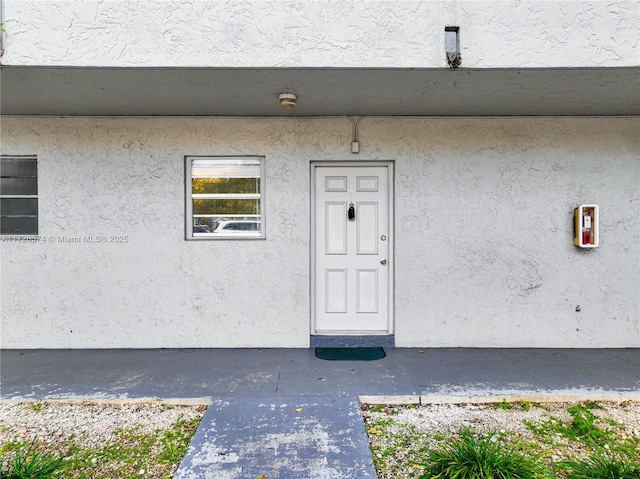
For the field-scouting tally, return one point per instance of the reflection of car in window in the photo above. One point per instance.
(202, 229)
(237, 227)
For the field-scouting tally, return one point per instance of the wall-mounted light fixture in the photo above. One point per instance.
(288, 100)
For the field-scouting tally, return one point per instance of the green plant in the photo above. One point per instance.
(472, 456)
(504, 405)
(383, 422)
(378, 408)
(603, 466)
(582, 427)
(524, 405)
(28, 463)
(37, 406)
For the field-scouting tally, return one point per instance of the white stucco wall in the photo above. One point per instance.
(484, 254)
(309, 33)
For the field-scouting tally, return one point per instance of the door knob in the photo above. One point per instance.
(383, 261)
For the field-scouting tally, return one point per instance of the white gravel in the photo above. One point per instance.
(93, 423)
(450, 418)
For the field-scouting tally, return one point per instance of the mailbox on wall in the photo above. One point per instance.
(586, 226)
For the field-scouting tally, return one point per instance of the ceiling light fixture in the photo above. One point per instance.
(288, 100)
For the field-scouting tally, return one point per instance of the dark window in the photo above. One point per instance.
(18, 195)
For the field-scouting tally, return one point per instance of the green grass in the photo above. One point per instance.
(37, 406)
(175, 441)
(582, 427)
(473, 456)
(133, 453)
(129, 453)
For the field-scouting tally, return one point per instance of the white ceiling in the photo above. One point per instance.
(321, 91)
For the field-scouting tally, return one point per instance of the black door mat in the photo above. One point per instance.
(350, 354)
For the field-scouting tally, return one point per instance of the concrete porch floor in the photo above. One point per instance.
(283, 413)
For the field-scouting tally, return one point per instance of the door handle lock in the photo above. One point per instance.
(383, 261)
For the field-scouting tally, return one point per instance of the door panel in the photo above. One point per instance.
(336, 183)
(336, 233)
(352, 292)
(367, 288)
(367, 183)
(336, 291)
(367, 236)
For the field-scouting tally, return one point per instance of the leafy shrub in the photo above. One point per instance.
(30, 464)
(480, 457)
(601, 466)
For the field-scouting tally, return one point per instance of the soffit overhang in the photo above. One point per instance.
(94, 91)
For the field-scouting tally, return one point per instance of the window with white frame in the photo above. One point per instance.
(224, 197)
(18, 195)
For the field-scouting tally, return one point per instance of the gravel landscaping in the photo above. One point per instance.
(102, 440)
(401, 436)
(148, 439)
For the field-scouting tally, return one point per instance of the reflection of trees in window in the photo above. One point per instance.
(225, 185)
(231, 206)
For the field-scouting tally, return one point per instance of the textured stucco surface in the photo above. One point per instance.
(483, 220)
(258, 33)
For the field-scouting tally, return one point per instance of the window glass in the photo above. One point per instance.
(224, 197)
(226, 185)
(227, 207)
(12, 167)
(19, 206)
(19, 186)
(18, 195)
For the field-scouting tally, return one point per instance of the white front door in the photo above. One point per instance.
(353, 249)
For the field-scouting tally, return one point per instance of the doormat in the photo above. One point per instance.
(350, 354)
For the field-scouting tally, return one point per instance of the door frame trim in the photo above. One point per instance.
(390, 165)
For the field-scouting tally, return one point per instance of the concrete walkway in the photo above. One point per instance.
(283, 413)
